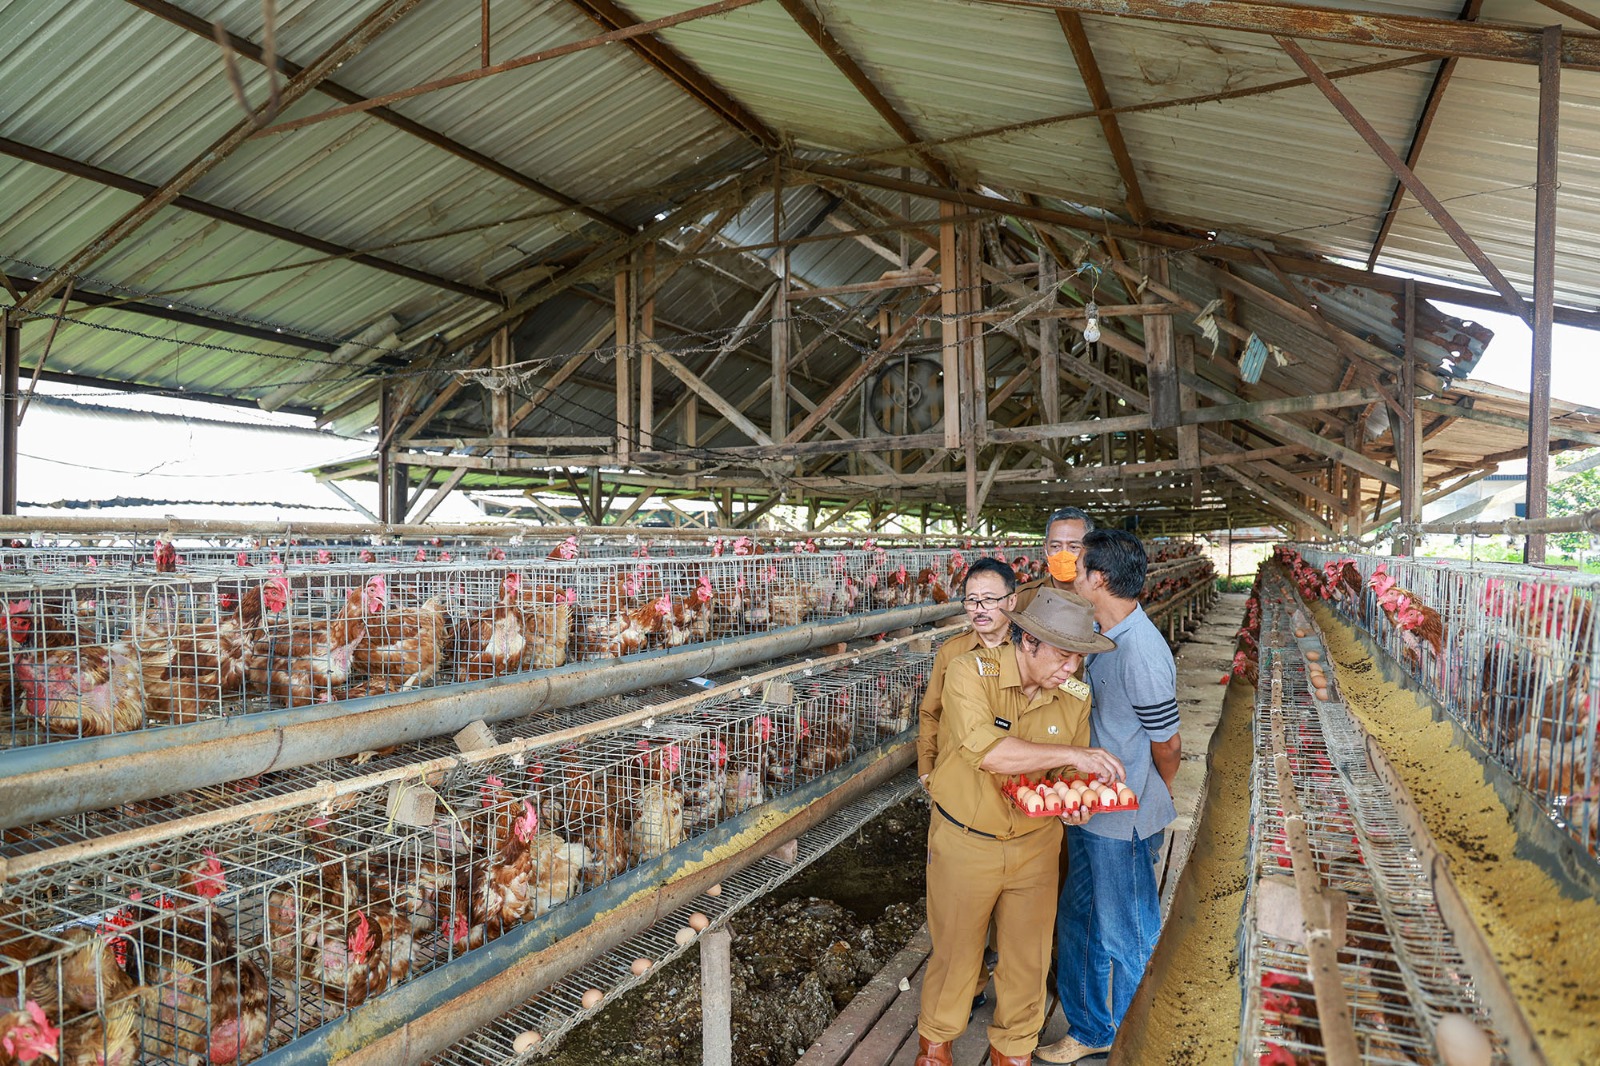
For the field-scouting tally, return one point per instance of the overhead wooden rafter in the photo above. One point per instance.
(864, 85)
(346, 48)
(1089, 69)
(196, 25)
(682, 73)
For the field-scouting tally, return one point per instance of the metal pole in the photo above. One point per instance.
(716, 998)
(385, 465)
(1544, 261)
(8, 436)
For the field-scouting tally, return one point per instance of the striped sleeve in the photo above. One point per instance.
(1151, 683)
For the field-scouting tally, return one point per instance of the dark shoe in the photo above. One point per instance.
(980, 1000)
(991, 959)
(1066, 1051)
(997, 1059)
(932, 1054)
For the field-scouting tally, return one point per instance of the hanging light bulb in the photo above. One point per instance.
(1091, 328)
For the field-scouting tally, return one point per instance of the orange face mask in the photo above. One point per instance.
(1063, 566)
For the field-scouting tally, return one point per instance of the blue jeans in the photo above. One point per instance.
(1106, 928)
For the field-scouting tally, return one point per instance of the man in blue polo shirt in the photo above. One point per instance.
(1109, 915)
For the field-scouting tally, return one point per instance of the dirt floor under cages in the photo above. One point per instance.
(1546, 943)
(799, 955)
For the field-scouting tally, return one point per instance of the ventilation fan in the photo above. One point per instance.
(907, 397)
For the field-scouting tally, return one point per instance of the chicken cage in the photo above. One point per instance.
(88, 653)
(1400, 963)
(244, 921)
(1510, 652)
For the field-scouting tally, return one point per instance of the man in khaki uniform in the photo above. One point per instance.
(1064, 531)
(987, 591)
(1008, 711)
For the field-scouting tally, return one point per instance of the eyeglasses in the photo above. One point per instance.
(983, 603)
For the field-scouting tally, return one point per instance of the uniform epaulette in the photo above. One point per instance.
(988, 660)
(1073, 687)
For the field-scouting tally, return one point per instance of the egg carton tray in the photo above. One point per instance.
(1010, 789)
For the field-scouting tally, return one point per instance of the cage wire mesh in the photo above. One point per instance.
(89, 653)
(224, 941)
(1399, 965)
(1511, 652)
(557, 1010)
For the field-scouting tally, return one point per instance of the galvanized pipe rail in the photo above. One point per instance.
(1587, 522)
(1412, 955)
(50, 781)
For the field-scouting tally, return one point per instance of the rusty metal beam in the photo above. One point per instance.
(30, 154)
(1408, 178)
(1441, 79)
(196, 25)
(1576, 14)
(346, 48)
(1544, 291)
(681, 72)
(847, 65)
(11, 368)
(1072, 26)
(1432, 36)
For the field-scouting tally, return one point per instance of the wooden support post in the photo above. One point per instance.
(1049, 346)
(950, 352)
(716, 997)
(624, 375)
(500, 396)
(780, 346)
(1408, 432)
(8, 434)
(1544, 262)
(1188, 435)
(1352, 479)
(1161, 370)
(691, 426)
(385, 464)
(646, 339)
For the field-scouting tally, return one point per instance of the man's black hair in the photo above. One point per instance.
(990, 565)
(1118, 555)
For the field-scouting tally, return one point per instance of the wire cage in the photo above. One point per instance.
(216, 940)
(1511, 652)
(93, 653)
(1399, 964)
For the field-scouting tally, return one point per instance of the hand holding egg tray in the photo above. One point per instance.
(1048, 798)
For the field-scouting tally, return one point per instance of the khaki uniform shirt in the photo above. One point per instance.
(1026, 593)
(933, 698)
(984, 704)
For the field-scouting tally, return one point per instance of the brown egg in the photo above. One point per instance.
(1461, 1042)
(1302, 633)
(698, 921)
(683, 936)
(592, 998)
(525, 1041)
(715, 890)
(1313, 656)
(1323, 694)
(641, 966)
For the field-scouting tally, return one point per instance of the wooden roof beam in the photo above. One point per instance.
(1072, 26)
(346, 48)
(871, 93)
(1430, 203)
(681, 72)
(1441, 79)
(198, 26)
(1431, 36)
(110, 180)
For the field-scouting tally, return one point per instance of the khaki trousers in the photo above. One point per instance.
(972, 878)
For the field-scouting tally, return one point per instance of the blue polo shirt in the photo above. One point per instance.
(1135, 704)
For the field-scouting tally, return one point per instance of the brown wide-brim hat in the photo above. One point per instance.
(1062, 620)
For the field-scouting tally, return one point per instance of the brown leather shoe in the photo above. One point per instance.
(997, 1059)
(933, 1054)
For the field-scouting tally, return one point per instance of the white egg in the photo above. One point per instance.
(525, 1041)
(684, 935)
(1461, 1042)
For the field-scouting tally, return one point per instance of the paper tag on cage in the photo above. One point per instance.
(411, 803)
(779, 692)
(475, 737)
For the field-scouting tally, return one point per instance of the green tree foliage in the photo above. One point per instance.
(1574, 494)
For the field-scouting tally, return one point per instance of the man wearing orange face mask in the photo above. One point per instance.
(1064, 531)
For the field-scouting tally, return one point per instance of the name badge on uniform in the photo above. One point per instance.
(1001, 722)
(1073, 687)
(988, 667)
